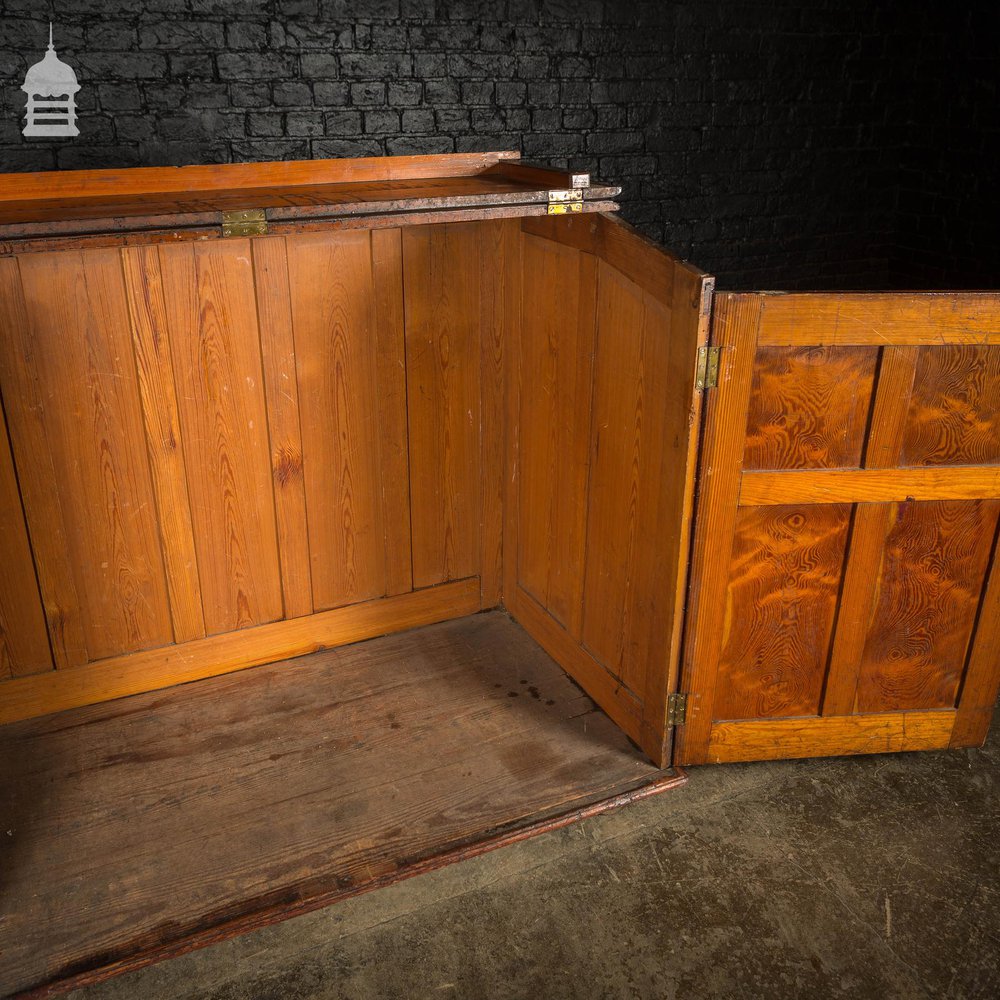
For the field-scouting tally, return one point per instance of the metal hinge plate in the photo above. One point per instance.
(565, 202)
(677, 709)
(244, 222)
(707, 375)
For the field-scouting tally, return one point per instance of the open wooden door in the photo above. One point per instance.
(845, 594)
(603, 412)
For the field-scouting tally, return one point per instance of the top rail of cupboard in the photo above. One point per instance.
(193, 201)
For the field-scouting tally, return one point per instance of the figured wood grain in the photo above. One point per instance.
(497, 308)
(154, 369)
(442, 295)
(863, 569)
(734, 330)
(981, 682)
(81, 344)
(809, 407)
(339, 773)
(333, 314)
(784, 581)
(880, 318)
(782, 739)
(166, 666)
(23, 405)
(24, 642)
(624, 593)
(215, 345)
(869, 485)
(558, 329)
(281, 394)
(394, 462)
(934, 568)
(954, 416)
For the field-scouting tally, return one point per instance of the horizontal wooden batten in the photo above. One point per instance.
(150, 670)
(780, 739)
(880, 319)
(761, 489)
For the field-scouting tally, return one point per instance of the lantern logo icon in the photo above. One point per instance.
(50, 85)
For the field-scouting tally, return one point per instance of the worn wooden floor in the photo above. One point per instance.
(137, 829)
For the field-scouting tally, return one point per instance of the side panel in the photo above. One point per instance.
(603, 399)
(844, 583)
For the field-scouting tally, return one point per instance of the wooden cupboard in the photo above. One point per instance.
(254, 411)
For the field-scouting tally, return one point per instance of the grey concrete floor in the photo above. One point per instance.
(857, 877)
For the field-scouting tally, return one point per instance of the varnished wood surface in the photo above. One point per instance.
(143, 827)
(879, 319)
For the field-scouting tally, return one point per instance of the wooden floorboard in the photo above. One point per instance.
(140, 828)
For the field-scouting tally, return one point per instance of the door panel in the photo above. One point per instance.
(844, 564)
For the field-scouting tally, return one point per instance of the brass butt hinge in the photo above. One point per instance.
(677, 706)
(707, 375)
(565, 202)
(244, 222)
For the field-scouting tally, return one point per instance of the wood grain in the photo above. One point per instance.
(954, 416)
(24, 642)
(784, 581)
(558, 330)
(333, 315)
(152, 669)
(22, 397)
(215, 345)
(880, 318)
(809, 407)
(342, 772)
(869, 485)
(934, 567)
(154, 369)
(281, 394)
(512, 375)
(734, 330)
(81, 346)
(442, 294)
(782, 739)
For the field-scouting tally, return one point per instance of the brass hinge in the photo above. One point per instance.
(707, 376)
(566, 201)
(677, 705)
(244, 222)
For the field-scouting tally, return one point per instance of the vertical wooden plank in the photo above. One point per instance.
(863, 569)
(558, 327)
(387, 278)
(79, 325)
(24, 642)
(442, 303)
(214, 339)
(333, 315)
(25, 415)
(494, 300)
(514, 241)
(143, 285)
(735, 326)
(933, 572)
(277, 349)
(784, 582)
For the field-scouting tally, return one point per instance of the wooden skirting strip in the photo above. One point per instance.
(869, 485)
(152, 669)
(774, 739)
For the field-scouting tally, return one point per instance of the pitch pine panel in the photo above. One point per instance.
(82, 358)
(934, 565)
(954, 414)
(215, 344)
(809, 407)
(332, 296)
(557, 345)
(442, 307)
(784, 581)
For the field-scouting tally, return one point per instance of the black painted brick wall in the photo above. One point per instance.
(776, 144)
